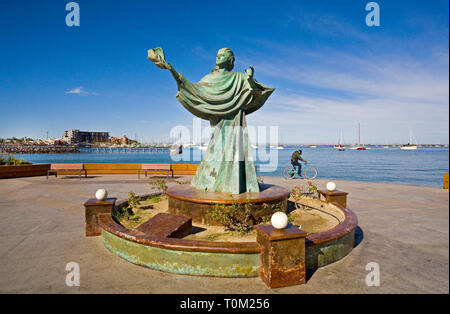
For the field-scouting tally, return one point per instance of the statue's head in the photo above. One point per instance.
(225, 59)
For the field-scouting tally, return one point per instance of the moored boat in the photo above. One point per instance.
(410, 146)
(339, 146)
(359, 146)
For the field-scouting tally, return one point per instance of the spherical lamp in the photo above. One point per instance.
(331, 186)
(279, 220)
(101, 194)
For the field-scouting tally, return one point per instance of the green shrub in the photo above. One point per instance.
(274, 207)
(12, 161)
(126, 211)
(154, 198)
(133, 200)
(22, 162)
(120, 213)
(238, 217)
(234, 217)
(160, 185)
(182, 182)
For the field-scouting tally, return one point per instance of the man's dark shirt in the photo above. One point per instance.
(296, 156)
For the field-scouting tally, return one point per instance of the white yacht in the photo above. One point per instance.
(412, 143)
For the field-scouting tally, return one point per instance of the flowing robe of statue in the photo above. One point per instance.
(224, 98)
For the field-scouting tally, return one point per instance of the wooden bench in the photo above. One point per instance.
(167, 225)
(55, 168)
(155, 168)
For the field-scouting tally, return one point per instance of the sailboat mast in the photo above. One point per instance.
(359, 133)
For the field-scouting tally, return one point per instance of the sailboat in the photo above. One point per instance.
(279, 146)
(339, 146)
(276, 147)
(315, 141)
(359, 146)
(410, 146)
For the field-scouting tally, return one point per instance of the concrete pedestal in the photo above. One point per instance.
(282, 256)
(336, 196)
(93, 208)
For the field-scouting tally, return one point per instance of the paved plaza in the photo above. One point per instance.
(405, 229)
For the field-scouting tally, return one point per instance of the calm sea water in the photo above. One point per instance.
(424, 166)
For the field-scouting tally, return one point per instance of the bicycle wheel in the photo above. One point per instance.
(310, 172)
(289, 172)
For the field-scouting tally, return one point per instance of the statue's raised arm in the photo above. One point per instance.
(156, 55)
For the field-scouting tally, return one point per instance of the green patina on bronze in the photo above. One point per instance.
(224, 98)
(320, 255)
(217, 264)
(183, 262)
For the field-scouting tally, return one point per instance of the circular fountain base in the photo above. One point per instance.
(221, 259)
(189, 201)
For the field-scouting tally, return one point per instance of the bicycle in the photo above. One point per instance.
(308, 172)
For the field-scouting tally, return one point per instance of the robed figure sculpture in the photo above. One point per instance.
(224, 98)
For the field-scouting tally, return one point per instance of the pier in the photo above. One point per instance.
(60, 149)
(151, 149)
(37, 149)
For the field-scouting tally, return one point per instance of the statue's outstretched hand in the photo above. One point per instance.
(156, 55)
(250, 71)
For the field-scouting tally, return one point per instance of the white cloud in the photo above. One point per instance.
(322, 92)
(81, 92)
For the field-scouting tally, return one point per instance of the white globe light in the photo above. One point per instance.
(279, 220)
(101, 194)
(331, 186)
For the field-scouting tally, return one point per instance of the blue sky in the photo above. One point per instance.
(329, 69)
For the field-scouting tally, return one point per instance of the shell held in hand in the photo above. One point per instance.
(156, 55)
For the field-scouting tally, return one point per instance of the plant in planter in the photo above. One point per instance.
(126, 212)
(238, 217)
(235, 217)
(160, 185)
(298, 193)
(13, 161)
(312, 189)
(275, 207)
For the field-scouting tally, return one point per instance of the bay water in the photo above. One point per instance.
(424, 166)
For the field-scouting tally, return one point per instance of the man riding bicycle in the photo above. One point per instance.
(296, 156)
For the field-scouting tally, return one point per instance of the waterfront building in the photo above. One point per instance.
(77, 136)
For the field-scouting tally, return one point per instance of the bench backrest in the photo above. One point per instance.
(155, 167)
(66, 167)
